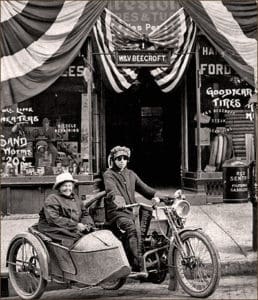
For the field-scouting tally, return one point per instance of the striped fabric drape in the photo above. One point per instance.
(111, 33)
(231, 27)
(179, 33)
(39, 40)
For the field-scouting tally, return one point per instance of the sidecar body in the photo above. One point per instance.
(96, 257)
(33, 260)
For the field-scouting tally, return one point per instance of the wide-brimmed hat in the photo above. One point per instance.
(63, 177)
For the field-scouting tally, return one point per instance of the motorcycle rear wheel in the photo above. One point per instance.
(199, 272)
(113, 284)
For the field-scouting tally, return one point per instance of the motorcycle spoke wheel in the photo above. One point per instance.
(199, 271)
(24, 270)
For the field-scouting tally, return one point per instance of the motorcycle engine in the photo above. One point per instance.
(156, 262)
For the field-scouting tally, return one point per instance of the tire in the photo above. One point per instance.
(214, 150)
(197, 277)
(219, 152)
(113, 284)
(24, 270)
(224, 150)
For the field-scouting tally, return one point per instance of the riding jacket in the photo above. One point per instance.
(61, 214)
(123, 184)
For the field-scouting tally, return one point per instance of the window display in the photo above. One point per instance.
(39, 138)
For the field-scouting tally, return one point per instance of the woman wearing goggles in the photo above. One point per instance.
(121, 184)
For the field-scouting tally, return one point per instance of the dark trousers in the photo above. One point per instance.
(127, 227)
(135, 241)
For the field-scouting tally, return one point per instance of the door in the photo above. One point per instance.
(149, 122)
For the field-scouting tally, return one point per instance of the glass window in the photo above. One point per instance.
(42, 136)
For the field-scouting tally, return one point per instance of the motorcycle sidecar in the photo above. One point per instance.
(33, 259)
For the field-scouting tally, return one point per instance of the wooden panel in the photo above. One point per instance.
(26, 200)
(4, 201)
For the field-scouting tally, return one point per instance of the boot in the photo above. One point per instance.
(133, 245)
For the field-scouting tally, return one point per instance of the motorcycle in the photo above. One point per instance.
(99, 258)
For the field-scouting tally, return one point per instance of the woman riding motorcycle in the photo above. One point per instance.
(121, 184)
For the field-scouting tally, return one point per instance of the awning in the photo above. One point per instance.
(231, 27)
(39, 40)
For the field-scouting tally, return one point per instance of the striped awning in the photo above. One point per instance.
(39, 40)
(231, 27)
(111, 33)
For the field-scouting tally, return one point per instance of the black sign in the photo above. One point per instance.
(142, 58)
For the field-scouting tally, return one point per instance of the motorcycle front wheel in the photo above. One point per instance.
(199, 270)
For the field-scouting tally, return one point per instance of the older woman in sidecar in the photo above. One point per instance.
(63, 217)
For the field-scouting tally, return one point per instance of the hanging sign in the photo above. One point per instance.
(142, 58)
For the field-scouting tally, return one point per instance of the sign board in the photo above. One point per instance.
(144, 16)
(204, 136)
(223, 92)
(142, 58)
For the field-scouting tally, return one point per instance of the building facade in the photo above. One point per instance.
(178, 139)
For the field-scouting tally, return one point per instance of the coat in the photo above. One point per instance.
(123, 184)
(59, 217)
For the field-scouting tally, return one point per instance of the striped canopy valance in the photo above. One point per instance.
(111, 33)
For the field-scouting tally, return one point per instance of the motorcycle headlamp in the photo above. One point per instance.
(182, 208)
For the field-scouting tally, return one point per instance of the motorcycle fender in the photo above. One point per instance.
(173, 282)
(172, 245)
(41, 249)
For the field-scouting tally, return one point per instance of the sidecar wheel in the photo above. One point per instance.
(113, 284)
(24, 270)
(199, 271)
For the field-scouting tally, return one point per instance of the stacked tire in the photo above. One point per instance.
(221, 150)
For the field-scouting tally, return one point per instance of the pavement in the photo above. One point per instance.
(228, 225)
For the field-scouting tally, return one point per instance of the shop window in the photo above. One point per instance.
(42, 136)
(226, 123)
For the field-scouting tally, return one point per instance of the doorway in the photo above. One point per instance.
(147, 121)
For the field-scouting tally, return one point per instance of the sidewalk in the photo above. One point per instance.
(228, 225)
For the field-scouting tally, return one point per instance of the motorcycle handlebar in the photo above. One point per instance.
(137, 204)
(148, 205)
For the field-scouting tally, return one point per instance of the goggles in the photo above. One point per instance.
(120, 157)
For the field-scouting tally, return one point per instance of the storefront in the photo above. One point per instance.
(183, 136)
(56, 131)
(180, 132)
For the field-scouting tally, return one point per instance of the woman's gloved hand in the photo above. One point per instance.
(80, 227)
(88, 228)
(155, 201)
(84, 228)
(119, 201)
(167, 199)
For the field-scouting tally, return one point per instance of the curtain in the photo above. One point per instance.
(39, 40)
(231, 27)
(111, 33)
(177, 33)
